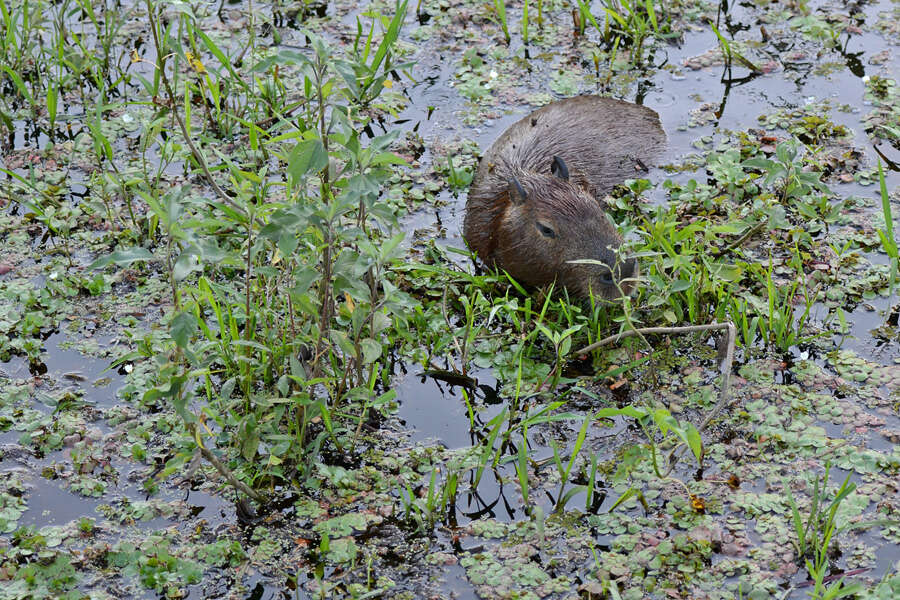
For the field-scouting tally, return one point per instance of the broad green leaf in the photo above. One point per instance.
(182, 327)
(694, 441)
(307, 156)
(371, 350)
(123, 257)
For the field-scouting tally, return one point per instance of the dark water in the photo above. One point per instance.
(435, 410)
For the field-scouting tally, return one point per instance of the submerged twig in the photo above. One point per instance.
(724, 367)
(649, 330)
(228, 475)
(724, 391)
(740, 240)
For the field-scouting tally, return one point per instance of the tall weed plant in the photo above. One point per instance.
(284, 299)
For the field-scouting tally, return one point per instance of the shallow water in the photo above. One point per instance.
(435, 411)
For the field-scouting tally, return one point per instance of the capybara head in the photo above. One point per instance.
(551, 220)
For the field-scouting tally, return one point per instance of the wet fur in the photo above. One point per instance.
(602, 142)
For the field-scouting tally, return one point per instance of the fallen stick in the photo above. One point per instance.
(725, 364)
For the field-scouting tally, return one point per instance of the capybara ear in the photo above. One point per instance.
(558, 167)
(517, 193)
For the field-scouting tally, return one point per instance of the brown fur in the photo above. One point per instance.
(602, 142)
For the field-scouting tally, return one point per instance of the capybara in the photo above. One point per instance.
(535, 203)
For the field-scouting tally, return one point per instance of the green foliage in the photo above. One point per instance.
(222, 553)
(656, 424)
(500, 12)
(525, 23)
(35, 570)
(694, 276)
(815, 534)
(475, 76)
(796, 183)
(28, 312)
(425, 510)
(459, 178)
(778, 324)
(291, 298)
(265, 366)
(366, 72)
(636, 22)
(52, 576)
(154, 565)
(565, 471)
(886, 235)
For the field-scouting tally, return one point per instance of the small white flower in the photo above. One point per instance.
(810, 99)
(129, 367)
(54, 275)
(494, 74)
(126, 118)
(865, 79)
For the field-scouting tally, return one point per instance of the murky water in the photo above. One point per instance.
(435, 410)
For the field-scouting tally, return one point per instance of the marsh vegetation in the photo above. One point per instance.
(244, 351)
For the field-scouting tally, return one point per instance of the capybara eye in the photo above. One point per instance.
(545, 230)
